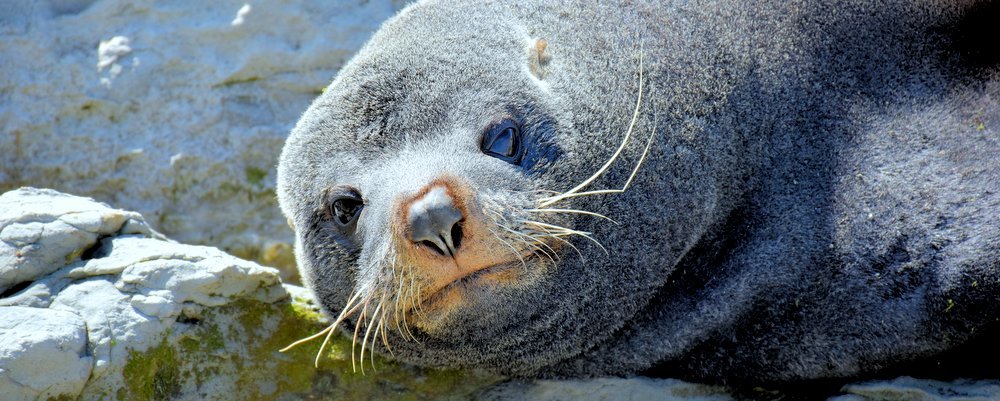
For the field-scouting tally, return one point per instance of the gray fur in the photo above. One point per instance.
(821, 198)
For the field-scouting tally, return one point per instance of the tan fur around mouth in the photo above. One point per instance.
(503, 272)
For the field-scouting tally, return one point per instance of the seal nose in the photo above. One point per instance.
(435, 222)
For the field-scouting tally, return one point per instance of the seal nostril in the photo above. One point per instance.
(434, 247)
(456, 235)
(434, 221)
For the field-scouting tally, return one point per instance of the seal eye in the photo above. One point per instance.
(503, 141)
(346, 206)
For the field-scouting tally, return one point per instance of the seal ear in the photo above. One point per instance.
(539, 58)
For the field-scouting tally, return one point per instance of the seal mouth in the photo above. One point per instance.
(496, 272)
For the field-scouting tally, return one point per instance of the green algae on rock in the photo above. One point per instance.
(231, 353)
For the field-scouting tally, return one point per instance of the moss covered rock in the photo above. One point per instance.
(231, 352)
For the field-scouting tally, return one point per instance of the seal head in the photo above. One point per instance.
(429, 185)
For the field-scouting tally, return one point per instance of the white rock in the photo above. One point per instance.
(42, 230)
(911, 389)
(42, 353)
(113, 325)
(123, 298)
(157, 306)
(241, 15)
(108, 51)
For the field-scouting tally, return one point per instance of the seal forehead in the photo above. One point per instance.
(476, 46)
(412, 74)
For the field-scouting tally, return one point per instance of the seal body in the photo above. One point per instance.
(811, 187)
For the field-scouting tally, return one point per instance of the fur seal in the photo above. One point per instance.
(766, 191)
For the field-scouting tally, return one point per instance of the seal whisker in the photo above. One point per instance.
(368, 330)
(594, 192)
(406, 328)
(628, 182)
(385, 340)
(414, 296)
(538, 249)
(329, 330)
(400, 312)
(357, 326)
(412, 292)
(539, 190)
(397, 299)
(557, 236)
(526, 240)
(322, 346)
(513, 250)
(384, 302)
(416, 307)
(419, 295)
(547, 201)
(519, 234)
(572, 211)
(307, 339)
(546, 226)
(533, 246)
(496, 218)
(343, 315)
(642, 158)
(548, 251)
(378, 329)
(552, 256)
(560, 239)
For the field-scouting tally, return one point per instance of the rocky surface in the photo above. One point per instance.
(607, 389)
(95, 305)
(910, 389)
(186, 103)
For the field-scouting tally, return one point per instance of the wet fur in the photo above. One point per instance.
(820, 198)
